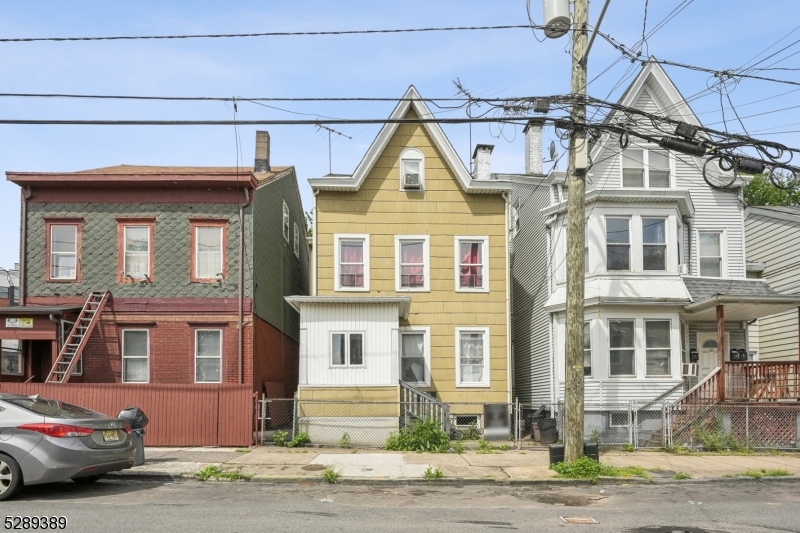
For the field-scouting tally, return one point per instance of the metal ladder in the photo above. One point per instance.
(71, 352)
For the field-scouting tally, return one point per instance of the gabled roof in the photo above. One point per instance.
(410, 100)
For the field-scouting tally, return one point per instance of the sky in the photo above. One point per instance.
(501, 63)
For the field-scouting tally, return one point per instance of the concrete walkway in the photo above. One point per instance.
(273, 464)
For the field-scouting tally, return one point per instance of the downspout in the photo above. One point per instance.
(688, 222)
(314, 242)
(507, 198)
(27, 193)
(241, 283)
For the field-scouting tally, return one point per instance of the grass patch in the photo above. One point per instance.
(679, 450)
(213, 471)
(330, 476)
(588, 468)
(457, 447)
(628, 448)
(242, 450)
(433, 473)
(505, 447)
(298, 440)
(424, 436)
(681, 475)
(484, 446)
(720, 441)
(758, 474)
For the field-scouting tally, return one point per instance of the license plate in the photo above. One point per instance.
(110, 435)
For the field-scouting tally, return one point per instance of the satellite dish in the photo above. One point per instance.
(552, 150)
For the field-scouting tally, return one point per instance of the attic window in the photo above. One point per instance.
(412, 170)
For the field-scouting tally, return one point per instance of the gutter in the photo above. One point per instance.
(27, 194)
(241, 283)
(509, 360)
(314, 241)
(688, 222)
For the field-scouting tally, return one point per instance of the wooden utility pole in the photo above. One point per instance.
(576, 214)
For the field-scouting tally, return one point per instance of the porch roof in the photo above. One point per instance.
(740, 307)
(403, 302)
(28, 310)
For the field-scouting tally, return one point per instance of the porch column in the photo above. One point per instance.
(721, 352)
(798, 333)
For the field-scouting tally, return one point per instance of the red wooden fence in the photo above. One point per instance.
(180, 415)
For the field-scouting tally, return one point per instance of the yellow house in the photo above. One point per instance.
(410, 273)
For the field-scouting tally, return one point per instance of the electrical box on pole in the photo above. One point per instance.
(556, 18)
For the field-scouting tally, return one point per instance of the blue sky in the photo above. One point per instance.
(490, 63)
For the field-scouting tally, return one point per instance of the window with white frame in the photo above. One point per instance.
(208, 355)
(472, 263)
(622, 353)
(296, 241)
(63, 251)
(618, 244)
(415, 356)
(710, 254)
(654, 244)
(66, 328)
(657, 346)
(137, 251)
(135, 355)
(208, 252)
(645, 168)
(285, 221)
(587, 349)
(412, 170)
(413, 262)
(347, 349)
(351, 262)
(11, 360)
(472, 357)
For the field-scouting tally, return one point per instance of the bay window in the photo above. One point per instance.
(587, 349)
(618, 244)
(657, 346)
(654, 244)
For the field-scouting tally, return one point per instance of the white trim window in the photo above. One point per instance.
(412, 170)
(618, 244)
(208, 251)
(347, 348)
(587, 348)
(137, 251)
(657, 335)
(472, 264)
(710, 253)
(351, 262)
(645, 168)
(285, 221)
(472, 357)
(208, 356)
(64, 251)
(296, 241)
(622, 352)
(135, 355)
(413, 263)
(65, 327)
(11, 357)
(654, 244)
(415, 357)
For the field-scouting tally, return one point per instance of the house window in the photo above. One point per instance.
(710, 254)
(347, 349)
(351, 262)
(412, 170)
(684, 359)
(135, 249)
(413, 258)
(415, 356)
(622, 352)
(654, 244)
(656, 340)
(285, 221)
(208, 355)
(587, 349)
(472, 263)
(135, 355)
(209, 250)
(66, 328)
(62, 247)
(296, 241)
(645, 168)
(618, 244)
(472, 357)
(11, 358)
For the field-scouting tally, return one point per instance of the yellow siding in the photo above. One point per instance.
(442, 211)
(322, 401)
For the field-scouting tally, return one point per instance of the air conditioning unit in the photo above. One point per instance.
(689, 370)
(684, 268)
(411, 181)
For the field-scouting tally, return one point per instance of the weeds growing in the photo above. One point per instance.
(433, 473)
(330, 475)
(215, 472)
(424, 436)
(588, 468)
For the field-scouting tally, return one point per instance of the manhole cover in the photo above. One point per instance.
(577, 520)
(672, 529)
(313, 468)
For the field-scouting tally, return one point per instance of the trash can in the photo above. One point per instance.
(590, 449)
(533, 417)
(138, 420)
(546, 431)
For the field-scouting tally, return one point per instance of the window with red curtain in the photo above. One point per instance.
(412, 264)
(351, 263)
(471, 265)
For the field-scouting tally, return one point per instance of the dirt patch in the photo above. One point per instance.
(313, 468)
(557, 498)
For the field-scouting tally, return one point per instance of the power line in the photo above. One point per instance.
(264, 34)
(231, 98)
(265, 122)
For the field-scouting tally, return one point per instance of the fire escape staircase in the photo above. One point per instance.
(73, 347)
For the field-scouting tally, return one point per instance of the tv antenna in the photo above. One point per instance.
(330, 130)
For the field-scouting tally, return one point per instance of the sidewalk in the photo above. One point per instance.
(273, 464)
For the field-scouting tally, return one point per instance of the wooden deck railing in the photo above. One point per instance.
(762, 380)
(704, 393)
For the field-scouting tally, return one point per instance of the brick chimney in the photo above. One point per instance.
(262, 152)
(533, 146)
(481, 169)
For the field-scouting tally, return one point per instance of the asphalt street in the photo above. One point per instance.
(737, 506)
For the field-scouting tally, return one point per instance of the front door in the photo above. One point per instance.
(707, 348)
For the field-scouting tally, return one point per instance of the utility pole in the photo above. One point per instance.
(576, 214)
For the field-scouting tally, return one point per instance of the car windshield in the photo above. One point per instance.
(53, 408)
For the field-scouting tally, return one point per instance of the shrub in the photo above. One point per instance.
(299, 439)
(681, 475)
(345, 441)
(719, 441)
(433, 473)
(484, 446)
(458, 447)
(279, 438)
(424, 436)
(594, 436)
(471, 433)
(628, 448)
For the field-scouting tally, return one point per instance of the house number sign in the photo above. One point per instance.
(19, 322)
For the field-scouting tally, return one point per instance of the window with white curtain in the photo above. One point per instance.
(135, 355)
(63, 251)
(137, 251)
(208, 355)
(285, 221)
(208, 252)
(472, 354)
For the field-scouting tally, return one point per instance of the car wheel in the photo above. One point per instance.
(10, 477)
(85, 480)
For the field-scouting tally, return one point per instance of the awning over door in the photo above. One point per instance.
(32, 322)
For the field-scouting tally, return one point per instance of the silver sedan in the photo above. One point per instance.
(44, 441)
